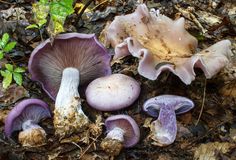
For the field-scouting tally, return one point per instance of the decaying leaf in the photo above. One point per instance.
(208, 18)
(12, 94)
(40, 10)
(147, 123)
(232, 134)
(209, 151)
(3, 115)
(17, 13)
(229, 89)
(95, 129)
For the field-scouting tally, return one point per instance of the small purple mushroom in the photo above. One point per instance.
(71, 61)
(25, 116)
(122, 131)
(112, 92)
(164, 129)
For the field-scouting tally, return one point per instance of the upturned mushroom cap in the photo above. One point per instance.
(126, 123)
(162, 44)
(30, 109)
(180, 104)
(81, 51)
(112, 92)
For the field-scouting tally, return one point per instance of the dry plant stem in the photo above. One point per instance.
(83, 152)
(94, 8)
(6, 2)
(203, 102)
(68, 115)
(82, 11)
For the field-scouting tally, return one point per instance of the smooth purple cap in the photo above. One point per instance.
(125, 122)
(180, 104)
(112, 92)
(29, 109)
(82, 51)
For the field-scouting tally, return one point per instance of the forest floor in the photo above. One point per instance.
(206, 132)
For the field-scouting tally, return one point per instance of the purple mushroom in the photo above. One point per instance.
(164, 129)
(112, 92)
(25, 116)
(122, 131)
(162, 44)
(71, 61)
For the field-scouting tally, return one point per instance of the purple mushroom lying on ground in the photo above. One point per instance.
(113, 92)
(165, 107)
(71, 61)
(25, 116)
(163, 44)
(122, 131)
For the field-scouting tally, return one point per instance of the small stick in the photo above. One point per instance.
(203, 102)
(82, 11)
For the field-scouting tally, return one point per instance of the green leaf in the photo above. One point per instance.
(59, 10)
(43, 1)
(19, 70)
(7, 79)
(3, 73)
(1, 55)
(9, 46)
(40, 10)
(18, 78)
(9, 67)
(32, 26)
(5, 39)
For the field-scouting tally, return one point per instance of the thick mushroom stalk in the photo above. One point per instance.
(122, 131)
(25, 116)
(68, 114)
(164, 129)
(71, 62)
(32, 134)
(113, 143)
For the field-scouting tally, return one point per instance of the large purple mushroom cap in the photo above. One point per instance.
(27, 110)
(164, 129)
(112, 92)
(125, 122)
(81, 51)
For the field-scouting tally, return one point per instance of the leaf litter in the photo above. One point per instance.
(212, 137)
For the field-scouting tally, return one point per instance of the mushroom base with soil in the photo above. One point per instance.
(32, 135)
(68, 115)
(113, 143)
(112, 146)
(160, 135)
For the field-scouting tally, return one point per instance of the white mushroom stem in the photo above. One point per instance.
(117, 134)
(32, 135)
(68, 114)
(164, 129)
(29, 124)
(113, 143)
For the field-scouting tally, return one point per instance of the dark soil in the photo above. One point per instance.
(217, 116)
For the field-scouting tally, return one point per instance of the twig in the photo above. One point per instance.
(82, 11)
(77, 146)
(99, 5)
(203, 102)
(82, 154)
(6, 2)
